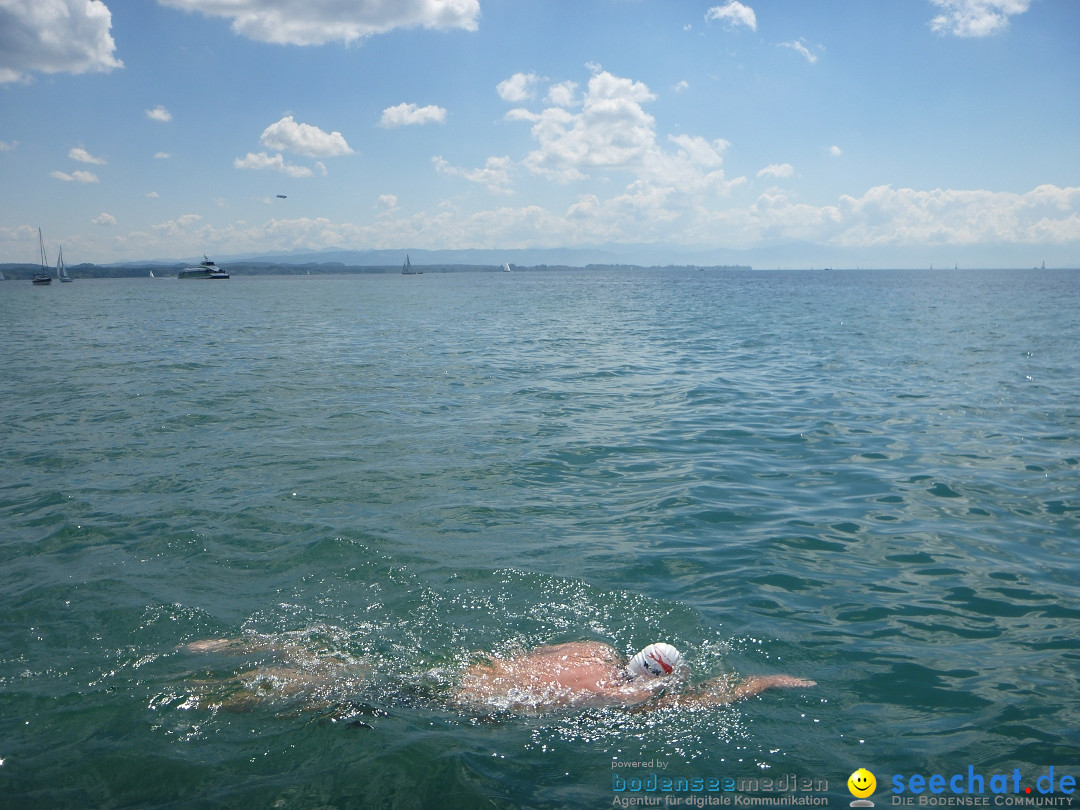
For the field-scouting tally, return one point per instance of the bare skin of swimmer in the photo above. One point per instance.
(574, 674)
(589, 673)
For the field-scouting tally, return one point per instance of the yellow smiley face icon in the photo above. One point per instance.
(861, 783)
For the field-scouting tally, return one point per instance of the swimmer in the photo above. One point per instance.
(298, 676)
(577, 674)
(593, 674)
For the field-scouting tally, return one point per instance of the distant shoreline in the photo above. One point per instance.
(25, 272)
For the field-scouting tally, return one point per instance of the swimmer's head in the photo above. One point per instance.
(655, 661)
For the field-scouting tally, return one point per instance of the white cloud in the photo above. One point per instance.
(81, 155)
(162, 156)
(152, 195)
(665, 182)
(777, 170)
(316, 22)
(888, 217)
(159, 113)
(7, 146)
(682, 86)
(883, 217)
(835, 151)
(975, 18)
(563, 94)
(261, 160)
(104, 219)
(304, 139)
(799, 45)
(521, 114)
(76, 177)
(612, 130)
(55, 36)
(410, 114)
(732, 14)
(495, 174)
(517, 88)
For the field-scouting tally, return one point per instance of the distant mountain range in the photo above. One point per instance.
(537, 257)
(785, 255)
(764, 257)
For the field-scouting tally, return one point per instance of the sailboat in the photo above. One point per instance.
(42, 277)
(61, 269)
(506, 267)
(407, 268)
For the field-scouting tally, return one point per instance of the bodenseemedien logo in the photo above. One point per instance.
(862, 785)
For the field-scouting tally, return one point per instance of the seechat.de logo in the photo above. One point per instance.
(862, 784)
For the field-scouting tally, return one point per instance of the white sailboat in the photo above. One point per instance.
(407, 268)
(61, 268)
(506, 267)
(42, 277)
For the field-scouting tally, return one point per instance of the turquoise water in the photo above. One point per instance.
(868, 479)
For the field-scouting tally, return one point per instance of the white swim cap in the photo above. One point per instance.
(655, 661)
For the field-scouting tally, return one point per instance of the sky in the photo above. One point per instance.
(878, 131)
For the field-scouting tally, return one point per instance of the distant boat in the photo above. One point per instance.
(151, 274)
(282, 197)
(506, 267)
(206, 269)
(407, 268)
(61, 269)
(42, 277)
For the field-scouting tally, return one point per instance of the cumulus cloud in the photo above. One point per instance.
(563, 94)
(835, 151)
(612, 130)
(777, 170)
(411, 115)
(883, 217)
(81, 155)
(606, 130)
(888, 217)
(732, 14)
(262, 161)
(104, 219)
(159, 113)
(975, 18)
(161, 155)
(304, 139)
(521, 114)
(517, 88)
(55, 36)
(495, 174)
(317, 22)
(76, 177)
(7, 146)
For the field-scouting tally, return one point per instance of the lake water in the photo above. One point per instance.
(870, 479)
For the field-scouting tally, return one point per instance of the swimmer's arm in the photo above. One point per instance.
(721, 691)
(245, 646)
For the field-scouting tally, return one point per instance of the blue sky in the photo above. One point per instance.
(141, 129)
